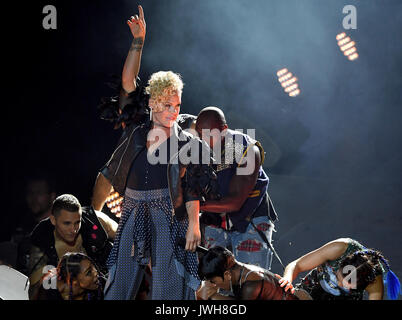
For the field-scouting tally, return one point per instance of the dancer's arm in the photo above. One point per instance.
(108, 224)
(330, 251)
(206, 290)
(375, 290)
(101, 191)
(193, 235)
(133, 61)
(37, 262)
(131, 68)
(240, 187)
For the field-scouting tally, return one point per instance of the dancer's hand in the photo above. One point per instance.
(206, 290)
(285, 282)
(193, 237)
(137, 25)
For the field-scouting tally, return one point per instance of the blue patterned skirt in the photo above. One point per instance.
(148, 231)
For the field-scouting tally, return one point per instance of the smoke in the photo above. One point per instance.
(330, 148)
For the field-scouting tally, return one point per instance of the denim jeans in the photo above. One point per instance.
(247, 247)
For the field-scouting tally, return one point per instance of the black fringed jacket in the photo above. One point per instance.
(133, 141)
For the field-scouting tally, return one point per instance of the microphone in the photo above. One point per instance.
(182, 243)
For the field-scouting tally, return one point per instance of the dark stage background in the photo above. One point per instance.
(334, 153)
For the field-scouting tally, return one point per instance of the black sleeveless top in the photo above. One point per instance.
(145, 174)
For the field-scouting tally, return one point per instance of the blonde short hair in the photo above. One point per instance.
(161, 85)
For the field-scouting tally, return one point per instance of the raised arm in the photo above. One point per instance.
(133, 61)
(131, 68)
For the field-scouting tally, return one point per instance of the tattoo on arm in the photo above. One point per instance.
(137, 44)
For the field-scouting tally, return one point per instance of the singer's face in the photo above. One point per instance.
(171, 109)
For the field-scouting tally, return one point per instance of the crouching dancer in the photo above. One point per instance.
(342, 269)
(242, 281)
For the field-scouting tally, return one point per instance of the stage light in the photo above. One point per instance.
(288, 82)
(353, 56)
(113, 202)
(347, 46)
(294, 93)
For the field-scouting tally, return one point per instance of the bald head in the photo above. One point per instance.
(211, 118)
(210, 124)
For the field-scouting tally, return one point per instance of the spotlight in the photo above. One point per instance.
(288, 82)
(113, 202)
(347, 46)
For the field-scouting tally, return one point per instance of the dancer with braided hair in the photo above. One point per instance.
(342, 270)
(76, 277)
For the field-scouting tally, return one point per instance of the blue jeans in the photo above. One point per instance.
(247, 247)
